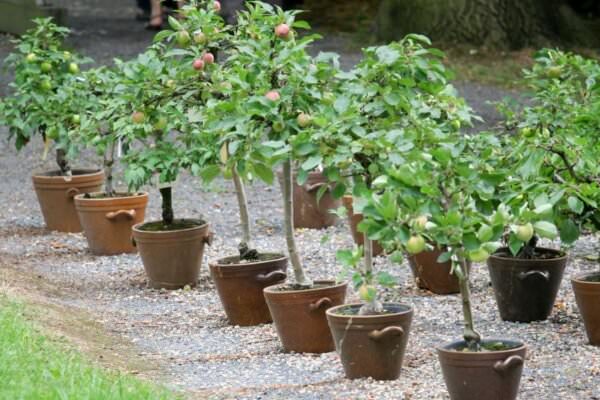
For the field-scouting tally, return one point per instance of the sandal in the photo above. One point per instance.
(152, 25)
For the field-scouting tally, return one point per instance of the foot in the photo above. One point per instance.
(155, 23)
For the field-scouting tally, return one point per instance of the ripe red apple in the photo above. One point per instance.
(282, 31)
(138, 117)
(198, 64)
(272, 95)
(208, 58)
(217, 6)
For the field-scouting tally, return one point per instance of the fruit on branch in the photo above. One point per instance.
(415, 244)
(217, 6)
(478, 255)
(31, 57)
(199, 37)
(524, 232)
(46, 67)
(208, 58)
(183, 38)
(138, 117)
(75, 119)
(304, 120)
(273, 95)
(198, 64)
(282, 31)
(73, 68)
(46, 85)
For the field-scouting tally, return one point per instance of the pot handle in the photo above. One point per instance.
(133, 242)
(71, 192)
(128, 214)
(272, 276)
(323, 301)
(511, 362)
(385, 332)
(313, 187)
(545, 275)
(208, 239)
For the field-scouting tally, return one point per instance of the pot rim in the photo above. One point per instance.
(444, 349)
(334, 284)
(136, 228)
(216, 263)
(55, 173)
(332, 311)
(579, 278)
(81, 197)
(563, 255)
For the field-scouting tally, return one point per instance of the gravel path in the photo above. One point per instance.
(186, 330)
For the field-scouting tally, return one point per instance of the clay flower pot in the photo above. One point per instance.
(489, 375)
(353, 221)
(525, 289)
(371, 345)
(587, 294)
(240, 286)
(308, 213)
(55, 194)
(107, 221)
(299, 315)
(431, 275)
(172, 258)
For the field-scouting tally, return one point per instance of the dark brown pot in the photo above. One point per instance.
(172, 259)
(55, 194)
(240, 287)
(431, 275)
(371, 345)
(299, 315)
(107, 221)
(526, 289)
(353, 221)
(587, 294)
(491, 375)
(308, 213)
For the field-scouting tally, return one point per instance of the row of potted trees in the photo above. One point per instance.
(387, 132)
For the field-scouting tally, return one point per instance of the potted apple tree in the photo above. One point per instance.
(46, 101)
(274, 81)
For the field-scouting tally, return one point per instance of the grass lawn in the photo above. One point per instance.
(33, 366)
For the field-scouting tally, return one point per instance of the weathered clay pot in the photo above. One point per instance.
(55, 194)
(587, 294)
(172, 259)
(299, 315)
(354, 220)
(107, 221)
(431, 275)
(240, 286)
(371, 345)
(308, 213)
(489, 375)
(526, 289)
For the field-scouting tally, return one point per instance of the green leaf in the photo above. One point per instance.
(444, 257)
(264, 173)
(345, 257)
(546, 229)
(575, 204)
(569, 232)
(210, 172)
(312, 162)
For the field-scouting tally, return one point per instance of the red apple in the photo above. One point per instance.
(198, 64)
(272, 95)
(282, 31)
(208, 58)
(217, 6)
(138, 117)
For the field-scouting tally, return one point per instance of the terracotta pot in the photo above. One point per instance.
(240, 286)
(431, 275)
(55, 194)
(353, 221)
(489, 375)
(587, 294)
(371, 345)
(172, 259)
(299, 315)
(308, 213)
(525, 289)
(107, 221)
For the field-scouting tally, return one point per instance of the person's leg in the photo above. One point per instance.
(155, 15)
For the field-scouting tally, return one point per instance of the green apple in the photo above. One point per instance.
(415, 244)
(46, 67)
(524, 232)
(183, 38)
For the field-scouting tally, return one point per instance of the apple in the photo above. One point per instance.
(217, 6)
(160, 124)
(66, 55)
(554, 72)
(208, 58)
(366, 292)
(478, 255)
(527, 132)
(328, 98)
(75, 119)
(138, 117)
(199, 37)
(525, 232)
(46, 67)
(183, 38)
(198, 64)
(170, 83)
(52, 133)
(31, 57)
(420, 222)
(455, 124)
(278, 126)
(46, 85)
(73, 68)
(304, 120)
(273, 95)
(282, 31)
(415, 244)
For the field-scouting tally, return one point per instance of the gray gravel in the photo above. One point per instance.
(186, 330)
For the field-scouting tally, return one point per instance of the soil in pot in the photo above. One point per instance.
(371, 345)
(353, 221)
(308, 212)
(55, 194)
(431, 275)
(107, 220)
(172, 254)
(240, 285)
(299, 314)
(525, 289)
(490, 374)
(587, 295)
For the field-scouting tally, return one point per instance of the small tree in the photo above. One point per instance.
(47, 97)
